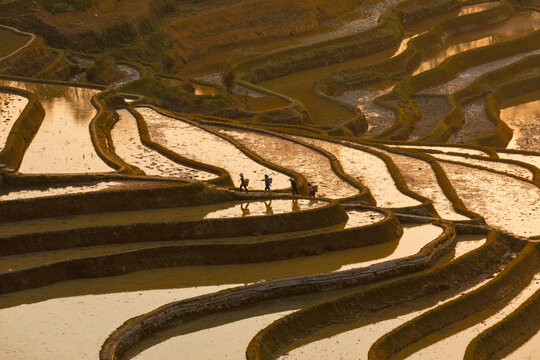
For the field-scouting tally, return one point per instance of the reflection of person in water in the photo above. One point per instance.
(313, 202)
(245, 209)
(295, 206)
(269, 210)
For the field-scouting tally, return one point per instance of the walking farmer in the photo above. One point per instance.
(243, 183)
(267, 183)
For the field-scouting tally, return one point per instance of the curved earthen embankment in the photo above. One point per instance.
(23, 130)
(134, 330)
(508, 334)
(18, 239)
(224, 178)
(148, 195)
(442, 181)
(235, 251)
(508, 283)
(271, 341)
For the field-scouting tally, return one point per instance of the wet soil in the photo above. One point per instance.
(197, 144)
(432, 108)
(505, 202)
(370, 170)
(490, 164)
(476, 123)
(529, 159)
(128, 146)
(524, 120)
(445, 149)
(421, 179)
(313, 165)
(11, 106)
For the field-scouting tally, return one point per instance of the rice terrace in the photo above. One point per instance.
(269, 179)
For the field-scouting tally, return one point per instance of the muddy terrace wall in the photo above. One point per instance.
(442, 179)
(286, 247)
(382, 37)
(483, 85)
(407, 112)
(132, 331)
(23, 130)
(157, 195)
(331, 214)
(272, 340)
(510, 281)
(417, 48)
(508, 334)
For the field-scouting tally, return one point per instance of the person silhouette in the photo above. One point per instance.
(294, 188)
(243, 183)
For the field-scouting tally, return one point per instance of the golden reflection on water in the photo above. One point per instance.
(524, 120)
(269, 207)
(314, 166)
(455, 345)
(62, 143)
(11, 106)
(370, 170)
(420, 178)
(203, 146)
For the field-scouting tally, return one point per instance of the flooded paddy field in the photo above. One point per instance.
(73, 319)
(523, 119)
(493, 164)
(370, 170)
(104, 304)
(308, 162)
(222, 210)
(62, 143)
(128, 146)
(420, 178)
(456, 344)
(197, 144)
(11, 106)
(354, 339)
(494, 193)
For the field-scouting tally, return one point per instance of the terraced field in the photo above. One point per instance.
(124, 232)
